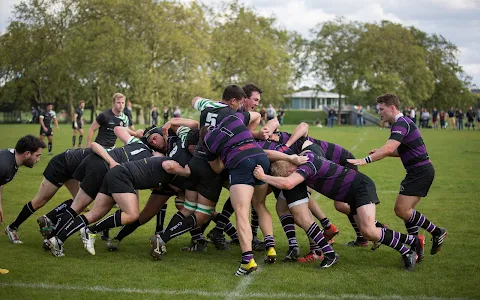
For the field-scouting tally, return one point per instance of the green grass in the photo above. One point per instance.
(453, 203)
(308, 116)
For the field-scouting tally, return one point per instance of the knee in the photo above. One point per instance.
(344, 208)
(201, 218)
(369, 233)
(400, 211)
(130, 218)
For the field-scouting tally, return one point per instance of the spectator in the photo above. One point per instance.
(154, 115)
(177, 112)
(128, 112)
(35, 115)
(470, 118)
(478, 117)
(442, 120)
(460, 120)
(413, 115)
(331, 117)
(281, 114)
(451, 118)
(434, 118)
(360, 116)
(424, 118)
(263, 116)
(271, 113)
(166, 114)
(406, 111)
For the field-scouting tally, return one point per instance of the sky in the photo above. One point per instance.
(456, 20)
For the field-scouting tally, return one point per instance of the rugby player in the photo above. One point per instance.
(46, 119)
(77, 124)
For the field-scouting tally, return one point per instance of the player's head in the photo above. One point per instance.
(118, 102)
(29, 148)
(192, 139)
(282, 168)
(81, 104)
(154, 137)
(388, 106)
(234, 96)
(253, 97)
(49, 106)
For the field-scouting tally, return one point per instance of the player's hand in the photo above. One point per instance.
(372, 151)
(75, 125)
(259, 173)
(274, 138)
(265, 131)
(44, 129)
(187, 170)
(58, 128)
(166, 127)
(357, 162)
(113, 164)
(139, 133)
(298, 160)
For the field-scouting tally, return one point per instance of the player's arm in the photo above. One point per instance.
(100, 151)
(123, 134)
(41, 123)
(173, 167)
(1, 209)
(91, 132)
(138, 133)
(254, 121)
(389, 149)
(265, 132)
(75, 117)
(176, 123)
(300, 131)
(284, 183)
(274, 155)
(56, 122)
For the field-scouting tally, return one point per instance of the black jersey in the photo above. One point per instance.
(48, 117)
(74, 157)
(148, 173)
(8, 165)
(134, 150)
(79, 112)
(108, 121)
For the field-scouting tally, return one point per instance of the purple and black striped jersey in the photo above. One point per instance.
(412, 150)
(326, 177)
(232, 141)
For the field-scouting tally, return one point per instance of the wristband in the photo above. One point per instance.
(368, 159)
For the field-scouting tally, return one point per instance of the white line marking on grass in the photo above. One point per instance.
(354, 147)
(104, 289)
(241, 286)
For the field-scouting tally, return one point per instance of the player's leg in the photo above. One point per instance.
(330, 230)
(80, 138)
(50, 142)
(288, 225)
(74, 136)
(344, 208)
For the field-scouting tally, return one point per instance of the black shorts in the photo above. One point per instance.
(57, 170)
(91, 173)
(49, 132)
(164, 190)
(295, 196)
(362, 192)
(118, 181)
(418, 181)
(204, 180)
(243, 171)
(80, 125)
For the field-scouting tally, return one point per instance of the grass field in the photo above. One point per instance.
(453, 203)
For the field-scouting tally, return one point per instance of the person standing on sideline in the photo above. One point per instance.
(478, 118)
(413, 115)
(46, 119)
(435, 118)
(460, 119)
(177, 112)
(263, 116)
(154, 116)
(271, 113)
(406, 142)
(280, 115)
(128, 112)
(166, 114)
(470, 118)
(442, 120)
(451, 118)
(331, 117)
(77, 124)
(360, 116)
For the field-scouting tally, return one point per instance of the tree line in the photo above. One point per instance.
(164, 53)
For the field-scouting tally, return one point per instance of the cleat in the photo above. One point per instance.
(257, 245)
(292, 255)
(437, 241)
(270, 256)
(375, 246)
(233, 242)
(45, 245)
(50, 153)
(330, 232)
(409, 260)
(112, 245)
(419, 247)
(12, 235)
(156, 247)
(46, 226)
(105, 235)
(329, 261)
(218, 239)
(310, 257)
(196, 246)
(246, 269)
(357, 243)
(88, 240)
(56, 247)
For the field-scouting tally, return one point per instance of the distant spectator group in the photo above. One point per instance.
(457, 119)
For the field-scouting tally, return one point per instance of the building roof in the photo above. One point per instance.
(313, 94)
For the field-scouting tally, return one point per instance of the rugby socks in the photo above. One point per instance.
(269, 242)
(360, 237)
(161, 218)
(379, 225)
(74, 226)
(316, 235)
(246, 257)
(288, 225)
(418, 219)
(222, 219)
(254, 223)
(55, 214)
(314, 247)
(325, 223)
(114, 220)
(127, 230)
(74, 138)
(231, 231)
(80, 138)
(179, 224)
(26, 212)
(63, 221)
(49, 147)
(391, 239)
(197, 234)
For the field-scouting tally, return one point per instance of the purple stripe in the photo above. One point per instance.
(415, 134)
(431, 227)
(328, 184)
(412, 153)
(421, 220)
(337, 153)
(346, 185)
(422, 163)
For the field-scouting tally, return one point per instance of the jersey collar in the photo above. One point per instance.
(398, 116)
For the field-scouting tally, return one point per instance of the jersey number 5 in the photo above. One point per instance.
(211, 119)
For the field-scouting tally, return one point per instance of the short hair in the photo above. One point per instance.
(29, 143)
(233, 91)
(49, 103)
(280, 168)
(250, 88)
(81, 101)
(192, 137)
(389, 99)
(203, 133)
(116, 96)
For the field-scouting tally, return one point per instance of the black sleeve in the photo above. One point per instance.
(247, 118)
(101, 119)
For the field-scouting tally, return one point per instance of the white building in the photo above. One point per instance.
(312, 100)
